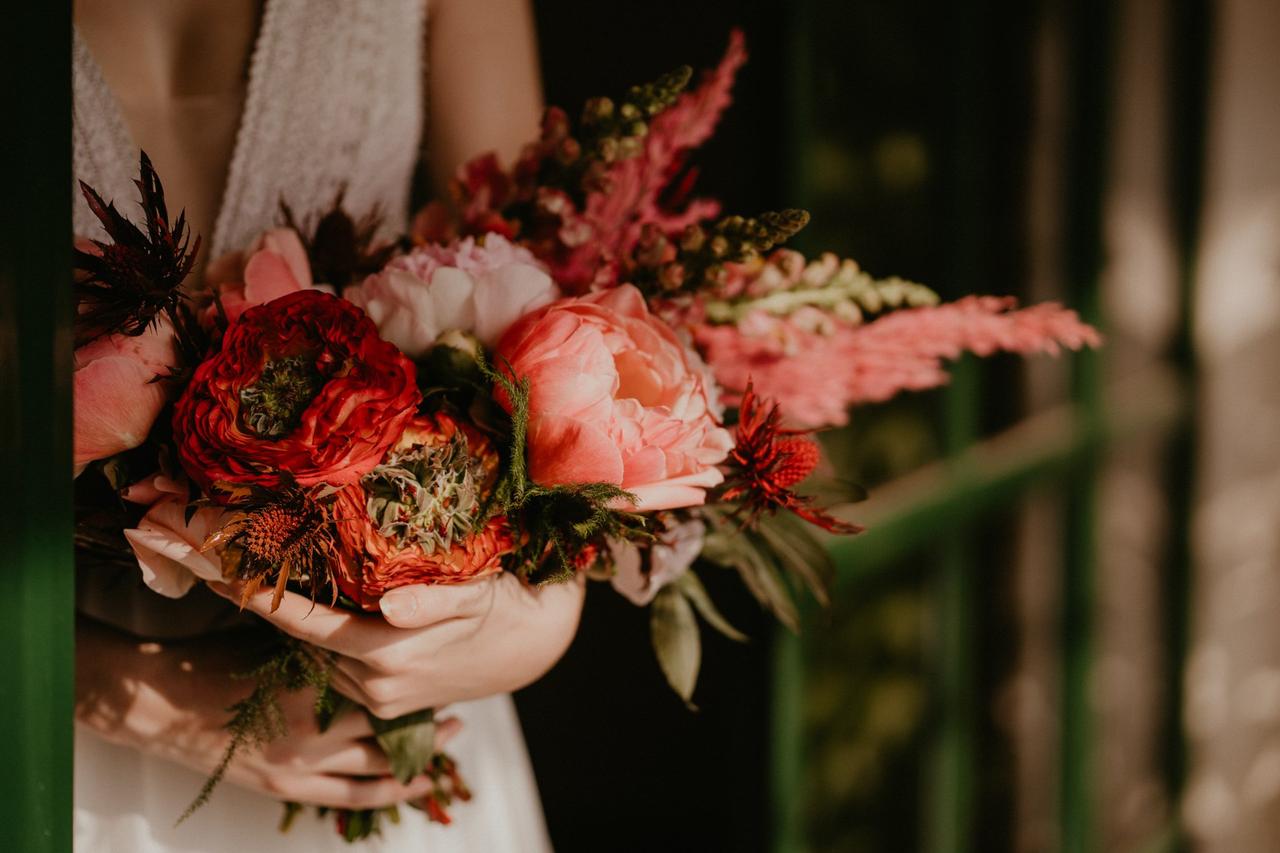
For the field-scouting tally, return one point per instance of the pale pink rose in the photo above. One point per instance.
(168, 548)
(115, 400)
(669, 557)
(476, 287)
(274, 265)
(615, 398)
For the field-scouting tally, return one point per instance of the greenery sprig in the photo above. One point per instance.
(259, 718)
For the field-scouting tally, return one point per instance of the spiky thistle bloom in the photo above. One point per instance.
(341, 249)
(130, 281)
(273, 537)
(765, 464)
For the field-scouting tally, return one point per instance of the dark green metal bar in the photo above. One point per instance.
(36, 633)
(1090, 57)
(787, 744)
(1191, 26)
(953, 751)
(908, 515)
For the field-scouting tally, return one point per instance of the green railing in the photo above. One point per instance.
(940, 505)
(36, 633)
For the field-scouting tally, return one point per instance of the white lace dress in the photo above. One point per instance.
(334, 100)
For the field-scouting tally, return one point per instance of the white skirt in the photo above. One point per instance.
(127, 801)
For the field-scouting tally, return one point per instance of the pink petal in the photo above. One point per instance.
(116, 403)
(563, 450)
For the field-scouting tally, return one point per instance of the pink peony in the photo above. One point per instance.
(670, 556)
(274, 265)
(116, 401)
(815, 372)
(480, 287)
(615, 398)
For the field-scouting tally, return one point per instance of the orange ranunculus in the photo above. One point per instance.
(416, 517)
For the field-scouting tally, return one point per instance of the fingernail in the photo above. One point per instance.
(399, 606)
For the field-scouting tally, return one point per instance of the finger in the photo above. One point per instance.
(446, 730)
(358, 758)
(345, 792)
(419, 605)
(353, 690)
(310, 621)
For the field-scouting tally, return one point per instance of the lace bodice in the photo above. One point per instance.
(334, 99)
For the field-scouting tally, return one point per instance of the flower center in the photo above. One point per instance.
(273, 406)
(428, 495)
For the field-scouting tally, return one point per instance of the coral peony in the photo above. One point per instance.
(274, 265)
(670, 556)
(474, 286)
(418, 516)
(302, 386)
(116, 398)
(615, 398)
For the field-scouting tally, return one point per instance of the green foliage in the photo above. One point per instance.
(409, 742)
(766, 555)
(258, 718)
(702, 251)
(676, 640)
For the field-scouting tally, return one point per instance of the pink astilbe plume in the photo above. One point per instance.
(816, 375)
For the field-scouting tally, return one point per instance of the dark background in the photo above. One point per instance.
(864, 114)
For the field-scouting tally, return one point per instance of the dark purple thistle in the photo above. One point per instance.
(137, 275)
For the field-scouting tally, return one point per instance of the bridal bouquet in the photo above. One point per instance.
(571, 368)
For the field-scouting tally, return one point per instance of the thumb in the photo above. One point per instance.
(421, 605)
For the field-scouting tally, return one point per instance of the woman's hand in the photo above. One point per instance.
(171, 699)
(434, 645)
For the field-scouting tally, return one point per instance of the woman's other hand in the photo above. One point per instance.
(171, 700)
(434, 645)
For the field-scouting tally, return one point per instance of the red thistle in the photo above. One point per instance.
(767, 461)
(128, 282)
(275, 537)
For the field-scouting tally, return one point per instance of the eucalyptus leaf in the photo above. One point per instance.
(759, 572)
(674, 631)
(408, 741)
(792, 541)
(691, 587)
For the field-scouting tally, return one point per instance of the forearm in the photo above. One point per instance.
(484, 91)
(152, 695)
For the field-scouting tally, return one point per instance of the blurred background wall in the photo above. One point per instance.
(1060, 633)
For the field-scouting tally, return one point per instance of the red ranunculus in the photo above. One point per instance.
(303, 385)
(419, 516)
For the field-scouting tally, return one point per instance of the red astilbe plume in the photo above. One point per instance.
(127, 283)
(581, 196)
(766, 462)
(613, 219)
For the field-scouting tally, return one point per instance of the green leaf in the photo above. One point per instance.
(791, 540)
(758, 571)
(674, 631)
(408, 741)
(691, 587)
